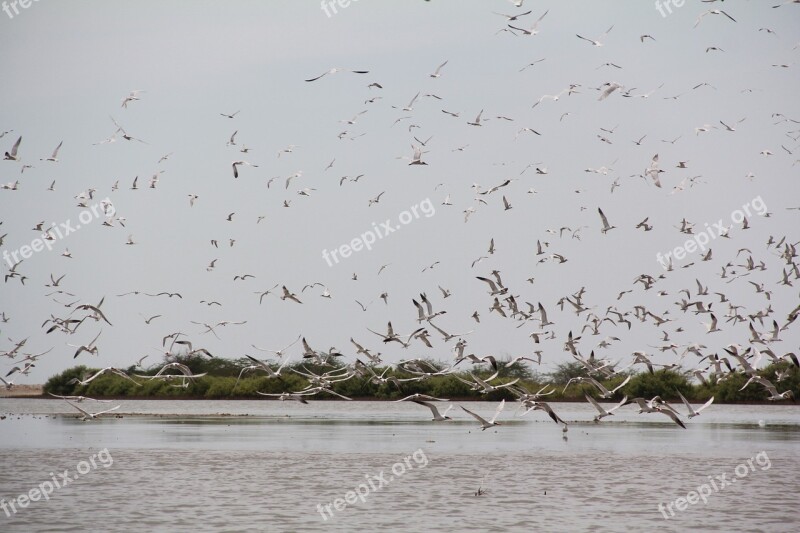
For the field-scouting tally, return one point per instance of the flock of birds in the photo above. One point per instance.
(768, 270)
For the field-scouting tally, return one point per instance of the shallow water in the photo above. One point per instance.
(267, 465)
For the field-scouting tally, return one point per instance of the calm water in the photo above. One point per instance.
(275, 466)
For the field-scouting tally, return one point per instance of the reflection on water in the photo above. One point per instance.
(265, 466)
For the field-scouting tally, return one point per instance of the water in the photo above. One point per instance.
(275, 466)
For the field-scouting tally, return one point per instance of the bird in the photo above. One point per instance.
(512, 17)
(132, 97)
(54, 156)
(484, 424)
(477, 121)
(89, 348)
(91, 416)
(416, 159)
(376, 199)
(436, 73)
(533, 29)
(334, 71)
(610, 88)
(436, 416)
(12, 156)
(712, 12)
(597, 42)
(694, 412)
(236, 164)
(606, 226)
(281, 351)
(601, 410)
(288, 295)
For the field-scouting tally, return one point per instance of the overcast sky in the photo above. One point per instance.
(68, 66)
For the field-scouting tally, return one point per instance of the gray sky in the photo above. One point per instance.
(69, 65)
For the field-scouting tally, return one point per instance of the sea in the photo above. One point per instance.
(269, 465)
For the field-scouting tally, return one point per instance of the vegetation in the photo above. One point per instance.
(221, 382)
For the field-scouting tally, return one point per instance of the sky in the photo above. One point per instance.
(69, 65)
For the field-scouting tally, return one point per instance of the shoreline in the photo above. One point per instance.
(22, 392)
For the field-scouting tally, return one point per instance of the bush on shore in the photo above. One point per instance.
(222, 382)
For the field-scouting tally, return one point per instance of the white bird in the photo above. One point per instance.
(712, 12)
(601, 410)
(534, 29)
(12, 156)
(287, 294)
(235, 164)
(611, 87)
(281, 351)
(92, 416)
(484, 424)
(477, 121)
(54, 156)
(596, 42)
(606, 226)
(416, 159)
(436, 73)
(335, 70)
(773, 391)
(78, 398)
(134, 95)
(712, 327)
(692, 412)
(436, 416)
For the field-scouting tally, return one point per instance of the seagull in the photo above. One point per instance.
(261, 365)
(89, 348)
(512, 17)
(416, 159)
(436, 73)
(287, 294)
(107, 370)
(597, 42)
(712, 12)
(13, 155)
(534, 29)
(134, 95)
(484, 424)
(231, 115)
(281, 351)
(78, 398)
(604, 392)
(235, 164)
(436, 416)
(606, 226)
(477, 121)
(612, 86)
(376, 199)
(773, 391)
(712, 327)
(601, 410)
(54, 157)
(670, 414)
(692, 412)
(335, 70)
(92, 416)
